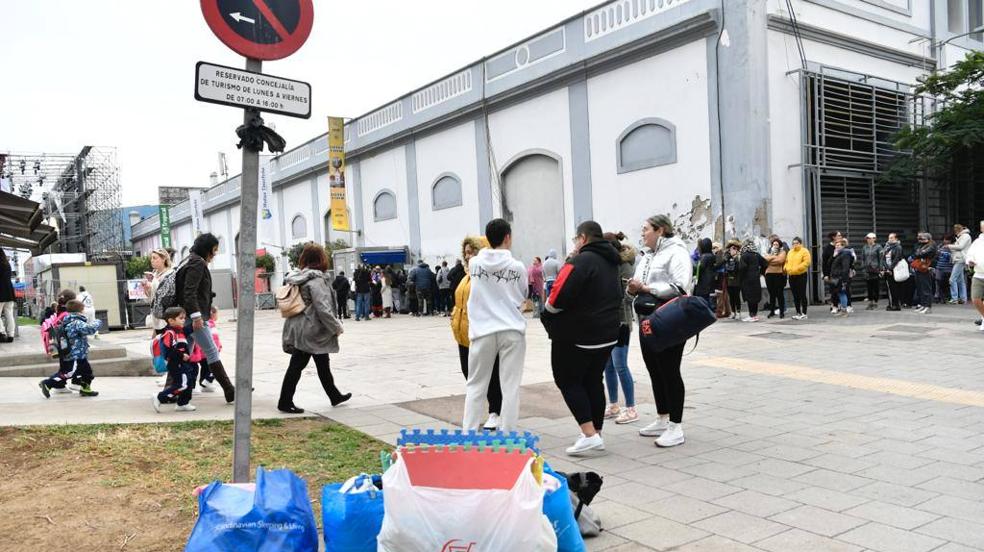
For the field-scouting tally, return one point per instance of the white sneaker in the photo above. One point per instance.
(586, 444)
(492, 423)
(656, 428)
(207, 387)
(672, 437)
(980, 328)
(157, 404)
(184, 408)
(850, 310)
(833, 310)
(803, 317)
(750, 319)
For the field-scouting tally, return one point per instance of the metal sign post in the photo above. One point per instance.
(247, 302)
(258, 30)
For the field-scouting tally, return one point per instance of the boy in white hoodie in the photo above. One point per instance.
(496, 326)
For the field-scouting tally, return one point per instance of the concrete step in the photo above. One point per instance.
(103, 367)
(20, 359)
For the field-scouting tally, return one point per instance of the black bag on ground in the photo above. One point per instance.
(583, 488)
(675, 322)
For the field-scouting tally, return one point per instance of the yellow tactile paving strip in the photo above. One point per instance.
(883, 385)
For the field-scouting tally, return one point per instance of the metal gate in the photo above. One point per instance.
(849, 122)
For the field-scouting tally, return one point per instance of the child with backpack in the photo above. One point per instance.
(48, 324)
(205, 376)
(70, 338)
(180, 371)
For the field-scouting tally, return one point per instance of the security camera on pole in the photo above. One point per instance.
(258, 30)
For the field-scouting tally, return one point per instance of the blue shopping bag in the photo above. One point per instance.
(352, 514)
(557, 508)
(276, 517)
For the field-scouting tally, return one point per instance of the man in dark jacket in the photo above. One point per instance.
(891, 255)
(582, 319)
(424, 282)
(707, 265)
(193, 283)
(342, 287)
(922, 259)
(363, 292)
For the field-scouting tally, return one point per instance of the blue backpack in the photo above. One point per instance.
(676, 321)
(159, 351)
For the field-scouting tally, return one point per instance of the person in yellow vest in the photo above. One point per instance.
(797, 266)
(470, 247)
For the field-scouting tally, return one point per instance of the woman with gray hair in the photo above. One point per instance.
(664, 272)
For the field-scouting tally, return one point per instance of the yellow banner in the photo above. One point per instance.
(336, 174)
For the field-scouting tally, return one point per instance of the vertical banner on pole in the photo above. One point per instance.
(336, 174)
(164, 216)
(197, 213)
(266, 212)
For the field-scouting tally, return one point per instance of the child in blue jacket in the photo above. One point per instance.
(75, 330)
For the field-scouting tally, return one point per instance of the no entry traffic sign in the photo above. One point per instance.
(260, 29)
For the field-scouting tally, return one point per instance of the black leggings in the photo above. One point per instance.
(894, 291)
(873, 289)
(734, 298)
(494, 394)
(775, 284)
(298, 361)
(664, 371)
(797, 284)
(578, 374)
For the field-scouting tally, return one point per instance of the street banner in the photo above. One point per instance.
(336, 174)
(164, 216)
(266, 213)
(197, 212)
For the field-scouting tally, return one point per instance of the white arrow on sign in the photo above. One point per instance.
(240, 18)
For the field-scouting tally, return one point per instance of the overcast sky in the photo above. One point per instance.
(121, 73)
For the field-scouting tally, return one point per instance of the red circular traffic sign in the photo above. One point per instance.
(260, 29)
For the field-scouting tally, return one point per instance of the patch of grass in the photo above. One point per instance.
(169, 460)
(25, 321)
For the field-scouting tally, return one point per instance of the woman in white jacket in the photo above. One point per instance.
(663, 271)
(975, 260)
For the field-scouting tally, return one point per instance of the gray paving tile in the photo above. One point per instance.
(633, 493)
(790, 453)
(890, 514)
(897, 459)
(659, 533)
(954, 487)
(833, 480)
(817, 520)
(756, 504)
(611, 464)
(894, 494)
(954, 547)
(683, 509)
(836, 462)
(610, 542)
(718, 472)
(883, 538)
(952, 506)
(740, 527)
(614, 514)
(781, 468)
(700, 488)
(826, 498)
(715, 543)
(890, 474)
(957, 530)
(796, 540)
(768, 484)
(655, 476)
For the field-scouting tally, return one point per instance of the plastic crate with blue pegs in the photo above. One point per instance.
(508, 439)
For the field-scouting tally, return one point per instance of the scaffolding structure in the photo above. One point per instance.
(80, 193)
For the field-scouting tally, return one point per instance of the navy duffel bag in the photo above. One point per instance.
(675, 322)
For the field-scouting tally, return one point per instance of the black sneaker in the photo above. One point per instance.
(978, 322)
(87, 391)
(45, 390)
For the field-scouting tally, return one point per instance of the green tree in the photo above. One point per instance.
(265, 261)
(955, 128)
(136, 267)
(294, 252)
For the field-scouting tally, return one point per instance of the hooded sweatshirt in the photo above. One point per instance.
(584, 302)
(498, 289)
(551, 266)
(960, 246)
(665, 267)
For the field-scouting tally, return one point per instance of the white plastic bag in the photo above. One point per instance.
(430, 519)
(901, 271)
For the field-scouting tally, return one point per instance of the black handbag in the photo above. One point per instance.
(645, 304)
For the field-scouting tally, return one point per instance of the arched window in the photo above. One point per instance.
(384, 206)
(446, 192)
(646, 143)
(298, 227)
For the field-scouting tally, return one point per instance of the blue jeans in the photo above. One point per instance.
(958, 283)
(617, 370)
(362, 301)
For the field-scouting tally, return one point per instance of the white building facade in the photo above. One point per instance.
(736, 118)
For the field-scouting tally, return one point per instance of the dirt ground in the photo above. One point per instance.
(129, 487)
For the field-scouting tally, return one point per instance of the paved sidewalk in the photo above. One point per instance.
(865, 433)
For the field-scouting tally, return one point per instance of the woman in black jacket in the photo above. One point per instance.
(582, 319)
(892, 255)
(750, 267)
(839, 280)
(707, 266)
(194, 285)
